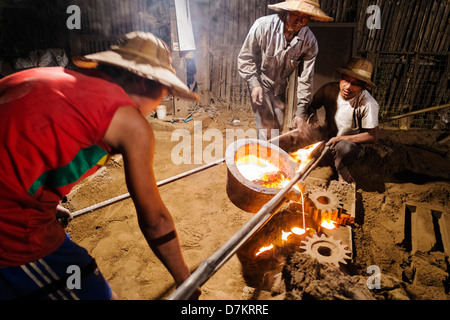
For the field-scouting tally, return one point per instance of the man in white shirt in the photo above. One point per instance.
(275, 46)
(351, 114)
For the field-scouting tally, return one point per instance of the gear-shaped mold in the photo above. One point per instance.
(325, 201)
(326, 249)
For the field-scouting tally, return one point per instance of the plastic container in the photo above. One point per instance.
(161, 112)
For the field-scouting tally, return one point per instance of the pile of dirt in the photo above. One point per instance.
(399, 162)
(307, 279)
(393, 174)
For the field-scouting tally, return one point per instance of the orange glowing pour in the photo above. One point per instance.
(294, 230)
(302, 156)
(264, 249)
(267, 174)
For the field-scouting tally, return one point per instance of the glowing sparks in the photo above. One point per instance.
(284, 237)
(264, 249)
(302, 156)
(328, 224)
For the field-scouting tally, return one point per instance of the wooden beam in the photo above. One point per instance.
(291, 100)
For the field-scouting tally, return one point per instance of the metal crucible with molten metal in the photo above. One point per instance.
(210, 266)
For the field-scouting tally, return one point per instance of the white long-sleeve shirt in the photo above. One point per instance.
(267, 59)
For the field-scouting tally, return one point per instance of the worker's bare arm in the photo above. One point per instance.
(368, 136)
(131, 135)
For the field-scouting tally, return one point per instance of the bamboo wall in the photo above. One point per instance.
(228, 27)
(407, 26)
(103, 22)
(410, 51)
(411, 56)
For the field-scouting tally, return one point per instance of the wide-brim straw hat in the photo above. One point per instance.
(146, 55)
(359, 68)
(310, 7)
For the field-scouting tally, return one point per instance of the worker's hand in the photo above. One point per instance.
(299, 122)
(257, 96)
(63, 215)
(331, 143)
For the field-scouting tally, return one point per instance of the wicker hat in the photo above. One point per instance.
(359, 68)
(310, 7)
(147, 56)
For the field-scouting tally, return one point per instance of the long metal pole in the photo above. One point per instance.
(435, 108)
(210, 266)
(159, 184)
(163, 182)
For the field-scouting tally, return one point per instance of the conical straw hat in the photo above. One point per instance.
(310, 7)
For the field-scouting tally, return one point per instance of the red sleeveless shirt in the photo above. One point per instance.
(52, 122)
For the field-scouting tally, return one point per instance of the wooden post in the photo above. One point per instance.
(180, 106)
(291, 100)
(201, 31)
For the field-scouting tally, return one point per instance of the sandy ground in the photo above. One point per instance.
(405, 168)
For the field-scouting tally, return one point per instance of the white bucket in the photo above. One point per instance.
(161, 112)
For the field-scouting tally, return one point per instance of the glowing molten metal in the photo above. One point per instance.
(263, 249)
(267, 174)
(295, 230)
(261, 171)
(302, 156)
(284, 236)
(328, 224)
(298, 231)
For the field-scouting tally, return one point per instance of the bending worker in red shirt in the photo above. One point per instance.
(58, 126)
